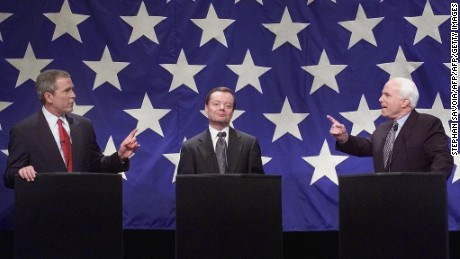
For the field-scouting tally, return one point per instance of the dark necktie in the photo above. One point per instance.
(64, 139)
(388, 148)
(221, 152)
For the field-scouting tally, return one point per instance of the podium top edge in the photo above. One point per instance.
(71, 174)
(388, 174)
(227, 176)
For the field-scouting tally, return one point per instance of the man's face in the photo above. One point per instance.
(220, 109)
(63, 98)
(391, 101)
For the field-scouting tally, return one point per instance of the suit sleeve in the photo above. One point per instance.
(356, 146)
(17, 157)
(437, 147)
(186, 161)
(255, 159)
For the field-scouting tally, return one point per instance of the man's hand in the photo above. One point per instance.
(338, 130)
(128, 146)
(28, 173)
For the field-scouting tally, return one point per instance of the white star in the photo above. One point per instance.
(400, 67)
(3, 16)
(236, 114)
(143, 24)
(81, 109)
(3, 106)
(286, 121)
(324, 164)
(363, 118)
(324, 73)
(29, 67)
(66, 22)
(427, 24)
(265, 159)
(456, 176)
(213, 27)
(5, 151)
(248, 73)
(173, 158)
(109, 150)
(106, 70)
(439, 111)
(183, 73)
(258, 1)
(361, 28)
(148, 117)
(286, 30)
(311, 1)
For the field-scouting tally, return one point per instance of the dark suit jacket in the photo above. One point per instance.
(197, 155)
(32, 143)
(421, 146)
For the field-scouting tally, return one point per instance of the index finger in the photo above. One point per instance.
(133, 133)
(331, 119)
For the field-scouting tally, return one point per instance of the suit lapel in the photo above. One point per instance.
(234, 150)
(76, 138)
(206, 150)
(405, 133)
(48, 142)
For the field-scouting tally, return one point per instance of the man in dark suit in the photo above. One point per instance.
(419, 145)
(242, 154)
(35, 144)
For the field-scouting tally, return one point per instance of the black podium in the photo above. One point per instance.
(393, 215)
(69, 215)
(228, 216)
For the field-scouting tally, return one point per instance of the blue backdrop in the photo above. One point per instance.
(149, 64)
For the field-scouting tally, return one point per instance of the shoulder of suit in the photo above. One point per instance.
(243, 134)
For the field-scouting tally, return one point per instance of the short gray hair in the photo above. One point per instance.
(408, 90)
(45, 82)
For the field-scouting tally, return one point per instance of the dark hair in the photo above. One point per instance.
(221, 89)
(46, 80)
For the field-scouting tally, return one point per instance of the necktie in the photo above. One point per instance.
(64, 139)
(388, 147)
(221, 152)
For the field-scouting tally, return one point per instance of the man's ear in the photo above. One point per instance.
(48, 97)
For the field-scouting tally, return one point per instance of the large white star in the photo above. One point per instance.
(439, 111)
(66, 22)
(456, 176)
(400, 67)
(363, 118)
(3, 106)
(213, 27)
(148, 117)
(324, 73)
(143, 24)
(5, 151)
(324, 164)
(183, 73)
(3, 16)
(29, 67)
(427, 24)
(248, 73)
(258, 1)
(109, 150)
(286, 30)
(361, 28)
(236, 114)
(286, 121)
(81, 109)
(311, 1)
(106, 70)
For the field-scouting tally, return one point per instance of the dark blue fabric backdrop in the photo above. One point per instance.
(149, 64)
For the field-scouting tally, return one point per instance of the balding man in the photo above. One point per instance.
(408, 142)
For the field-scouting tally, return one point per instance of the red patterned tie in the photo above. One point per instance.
(65, 145)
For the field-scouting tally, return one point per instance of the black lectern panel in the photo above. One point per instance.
(228, 216)
(393, 216)
(68, 215)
